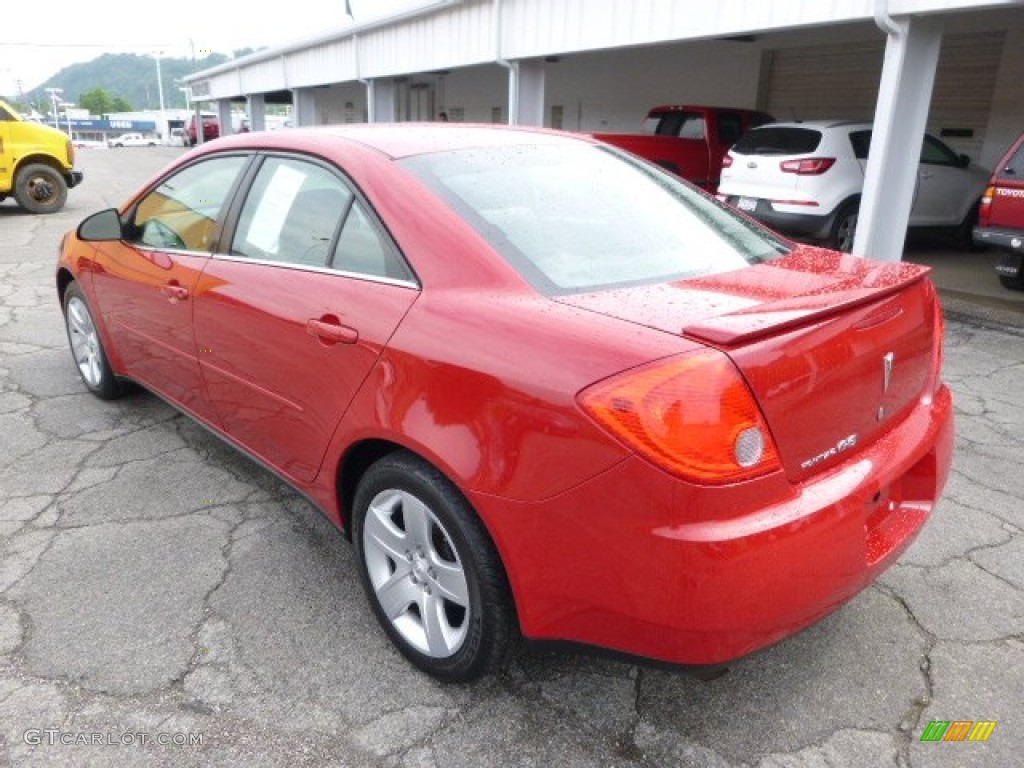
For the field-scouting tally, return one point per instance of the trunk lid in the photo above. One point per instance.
(835, 348)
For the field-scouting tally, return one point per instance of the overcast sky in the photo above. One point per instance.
(37, 39)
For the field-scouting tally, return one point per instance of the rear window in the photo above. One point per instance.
(573, 218)
(776, 140)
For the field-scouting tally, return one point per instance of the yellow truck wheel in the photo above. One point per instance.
(40, 189)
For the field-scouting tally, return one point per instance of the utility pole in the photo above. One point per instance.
(54, 99)
(160, 88)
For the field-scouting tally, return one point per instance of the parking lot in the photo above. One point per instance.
(164, 601)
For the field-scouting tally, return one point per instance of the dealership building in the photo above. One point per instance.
(953, 67)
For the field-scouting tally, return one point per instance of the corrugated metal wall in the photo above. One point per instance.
(328, 63)
(540, 27)
(459, 36)
(261, 77)
(841, 81)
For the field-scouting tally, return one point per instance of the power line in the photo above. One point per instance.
(125, 46)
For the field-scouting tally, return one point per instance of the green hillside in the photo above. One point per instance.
(128, 75)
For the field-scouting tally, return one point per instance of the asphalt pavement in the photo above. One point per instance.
(164, 601)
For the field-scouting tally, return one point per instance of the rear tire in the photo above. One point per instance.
(430, 570)
(844, 228)
(40, 189)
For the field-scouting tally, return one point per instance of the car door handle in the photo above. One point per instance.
(174, 292)
(332, 332)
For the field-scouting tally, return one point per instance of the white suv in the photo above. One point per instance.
(805, 180)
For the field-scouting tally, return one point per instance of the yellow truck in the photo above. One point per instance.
(37, 163)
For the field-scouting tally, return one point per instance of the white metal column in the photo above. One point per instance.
(304, 107)
(525, 92)
(904, 94)
(531, 92)
(380, 101)
(257, 112)
(224, 116)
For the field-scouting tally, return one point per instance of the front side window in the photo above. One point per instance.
(730, 128)
(934, 152)
(291, 214)
(572, 218)
(181, 213)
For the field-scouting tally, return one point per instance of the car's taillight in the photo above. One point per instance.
(727, 161)
(809, 166)
(985, 208)
(71, 152)
(692, 415)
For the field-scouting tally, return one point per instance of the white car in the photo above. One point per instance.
(132, 140)
(805, 180)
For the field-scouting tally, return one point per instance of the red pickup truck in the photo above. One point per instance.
(1001, 216)
(689, 141)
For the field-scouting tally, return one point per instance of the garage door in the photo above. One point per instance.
(841, 80)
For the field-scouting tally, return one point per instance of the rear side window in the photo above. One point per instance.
(291, 214)
(861, 143)
(685, 125)
(1013, 169)
(778, 140)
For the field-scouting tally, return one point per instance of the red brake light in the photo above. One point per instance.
(692, 415)
(985, 209)
(727, 161)
(809, 166)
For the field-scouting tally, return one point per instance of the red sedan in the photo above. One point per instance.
(547, 388)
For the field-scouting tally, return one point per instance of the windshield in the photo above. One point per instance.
(575, 218)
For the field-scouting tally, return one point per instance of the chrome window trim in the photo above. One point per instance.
(319, 270)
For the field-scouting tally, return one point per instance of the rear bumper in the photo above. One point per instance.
(805, 225)
(640, 563)
(1009, 239)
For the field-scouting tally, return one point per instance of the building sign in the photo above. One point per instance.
(139, 126)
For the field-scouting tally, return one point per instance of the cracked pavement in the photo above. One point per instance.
(154, 581)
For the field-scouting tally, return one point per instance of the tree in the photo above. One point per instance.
(121, 104)
(97, 101)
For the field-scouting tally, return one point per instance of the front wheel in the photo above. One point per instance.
(963, 235)
(430, 570)
(40, 189)
(1013, 283)
(844, 228)
(87, 348)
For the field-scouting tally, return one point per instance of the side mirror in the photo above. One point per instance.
(964, 161)
(102, 226)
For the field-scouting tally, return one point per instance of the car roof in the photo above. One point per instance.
(398, 140)
(821, 125)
